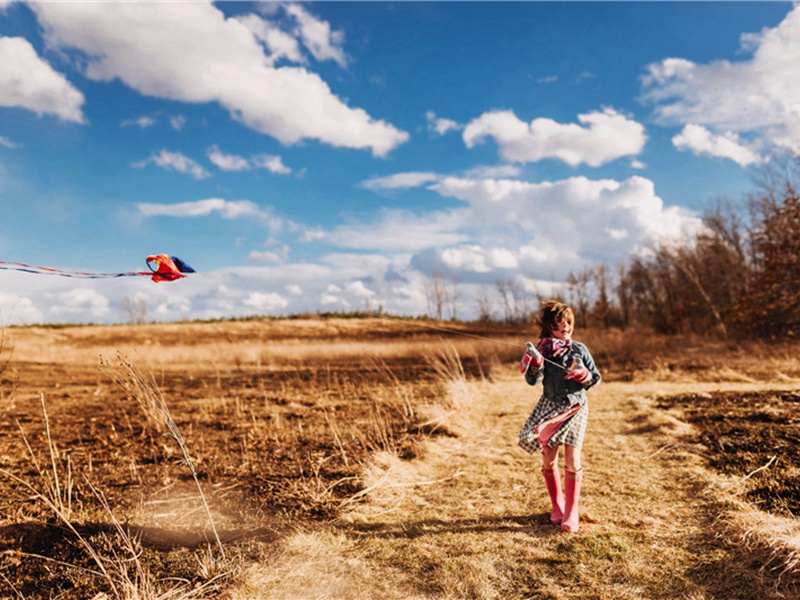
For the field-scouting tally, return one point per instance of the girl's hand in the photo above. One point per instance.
(580, 375)
(531, 357)
(578, 372)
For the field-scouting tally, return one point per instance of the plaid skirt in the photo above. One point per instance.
(571, 432)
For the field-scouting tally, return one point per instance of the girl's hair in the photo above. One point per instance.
(551, 314)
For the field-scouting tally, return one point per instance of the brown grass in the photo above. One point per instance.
(365, 459)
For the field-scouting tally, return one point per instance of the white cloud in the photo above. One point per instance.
(177, 122)
(399, 231)
(551, 227)
(234, 162)
(280, 44)
(440, 125)
(18, 310)
(473, 258)
(758, 96)
(317, 36)
(265, 301)
(313, 235)
(273, 164)
(601, 137)
(700, 140)
(493, 172)
(359, 290)
(175, 161)
(27, 81)
(143, 122)
(270, 256)
(86, 302)
(227, 162)
(399, 181)
(189, 52)
(227, 209)
(7, 143)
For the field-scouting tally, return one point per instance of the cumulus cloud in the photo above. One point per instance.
(268, 301)
(400, 231)
(281, 45)
(18, 310)
(190, 52)
(439, 125)
(317, 36)
(399, 181)
(227, 209)
(599, 138)
(540, 228)
(700, 140)
(234, 162)
(273, 164)
(228, 162)
(278, 255)
(757, 95)
(88, 303)
(175, 161)
(27, 81)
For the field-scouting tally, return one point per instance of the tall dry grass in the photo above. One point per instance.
(114, 552)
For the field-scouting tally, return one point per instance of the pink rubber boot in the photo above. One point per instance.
(572, 492)
(552, 480)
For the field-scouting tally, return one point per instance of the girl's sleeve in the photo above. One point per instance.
(588, 362)
(534, 374)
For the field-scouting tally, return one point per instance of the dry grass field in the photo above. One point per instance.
(377, 458)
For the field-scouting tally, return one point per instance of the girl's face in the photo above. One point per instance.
(563, 330)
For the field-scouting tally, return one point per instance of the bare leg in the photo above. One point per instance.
(550, 457)
(572, 458)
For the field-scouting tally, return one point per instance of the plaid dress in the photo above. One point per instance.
(559, 395)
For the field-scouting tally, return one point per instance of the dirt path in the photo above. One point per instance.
(470, 518)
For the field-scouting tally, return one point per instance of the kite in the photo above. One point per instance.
(163, 267)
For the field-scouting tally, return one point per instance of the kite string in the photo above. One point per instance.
(483, 337)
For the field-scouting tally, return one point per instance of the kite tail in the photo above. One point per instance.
(162, 268)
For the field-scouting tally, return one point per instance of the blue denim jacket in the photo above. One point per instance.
(560, 390)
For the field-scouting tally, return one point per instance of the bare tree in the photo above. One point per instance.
(771, 305)
(578, 286)
(515, 301)
(136, 309)
(602, 310)
(484, 304)
(442, 295)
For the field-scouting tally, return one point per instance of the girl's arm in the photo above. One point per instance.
(588, 362)
(534, 374)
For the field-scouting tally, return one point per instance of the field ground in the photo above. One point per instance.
(378, 459)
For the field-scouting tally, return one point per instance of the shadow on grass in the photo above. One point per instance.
(40, 538)
(535, 525)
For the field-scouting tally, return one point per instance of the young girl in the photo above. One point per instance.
(567, 371)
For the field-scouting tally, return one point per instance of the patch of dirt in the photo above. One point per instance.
(748, 433)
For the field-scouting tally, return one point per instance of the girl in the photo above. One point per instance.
(560, 416)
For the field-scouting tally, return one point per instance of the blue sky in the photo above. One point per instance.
(340, 156)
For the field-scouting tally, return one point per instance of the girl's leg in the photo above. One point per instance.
(572, 487)
(552, 479)
(572, 458)
(549, 457)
